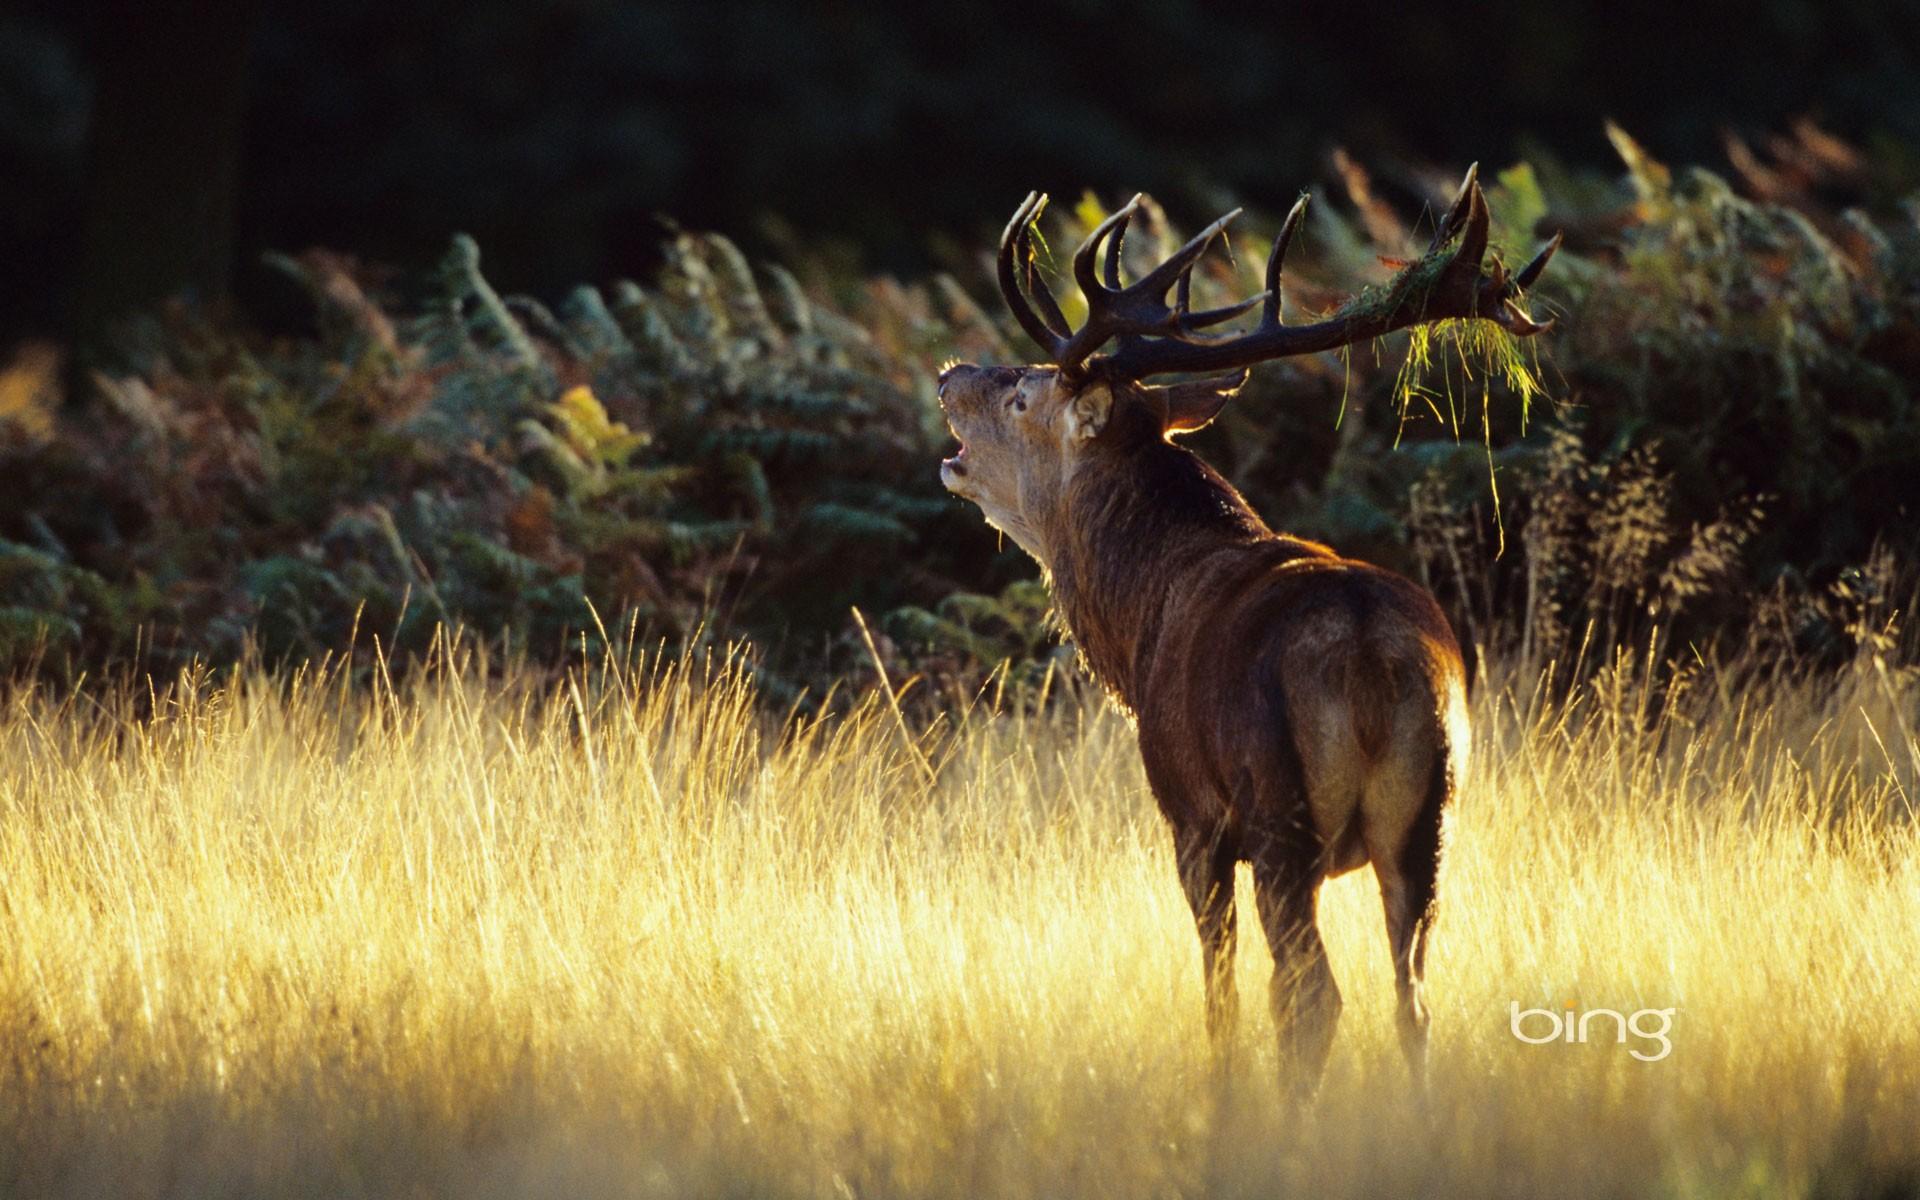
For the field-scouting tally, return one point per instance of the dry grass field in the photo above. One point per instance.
(627, 936)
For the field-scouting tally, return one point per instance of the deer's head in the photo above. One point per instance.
(1024, 431)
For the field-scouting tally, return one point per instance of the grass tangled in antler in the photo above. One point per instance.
(1468, 353)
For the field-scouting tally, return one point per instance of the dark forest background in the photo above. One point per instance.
(557, 131)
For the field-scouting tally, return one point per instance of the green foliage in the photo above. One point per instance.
(47, 604)
(967, 630)
(702, 450)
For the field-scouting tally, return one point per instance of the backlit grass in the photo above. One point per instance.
(628, 936)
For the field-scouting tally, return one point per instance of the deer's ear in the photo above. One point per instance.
(1193, 405)
(1088, 410)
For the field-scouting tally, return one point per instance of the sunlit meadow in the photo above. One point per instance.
(627, 935)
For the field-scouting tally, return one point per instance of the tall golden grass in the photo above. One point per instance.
(480, 935)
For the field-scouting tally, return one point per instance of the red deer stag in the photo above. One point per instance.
(1296, 710)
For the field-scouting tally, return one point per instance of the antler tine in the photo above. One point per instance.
(1270, 312)
(1183, 286)
(1163, 276)
(1083, 258)
(1017, 227)
(1036, 284)
(1113, 250)
(1187, 321)
(1014, 242)
(1226, 312)
(1531, 271)
(1515, 320)
(1462, 202)
(1037, 288)
(1473, 243)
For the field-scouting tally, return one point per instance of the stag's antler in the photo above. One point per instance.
(1155, 337)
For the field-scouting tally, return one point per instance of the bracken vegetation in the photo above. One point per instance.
(730, 453)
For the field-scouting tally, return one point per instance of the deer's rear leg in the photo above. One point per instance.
(1306, 1000)
(1206, 875)
(1408, 873)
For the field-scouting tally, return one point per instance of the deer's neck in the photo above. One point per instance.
(1128, 531)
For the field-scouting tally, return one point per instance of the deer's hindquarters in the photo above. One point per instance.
(1377, 711)
(1325, 727)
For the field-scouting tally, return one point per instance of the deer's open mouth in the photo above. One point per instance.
(953, 471)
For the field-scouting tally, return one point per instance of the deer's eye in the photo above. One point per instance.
(1017, 402)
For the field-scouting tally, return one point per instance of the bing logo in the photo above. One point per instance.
(1538, 1026)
